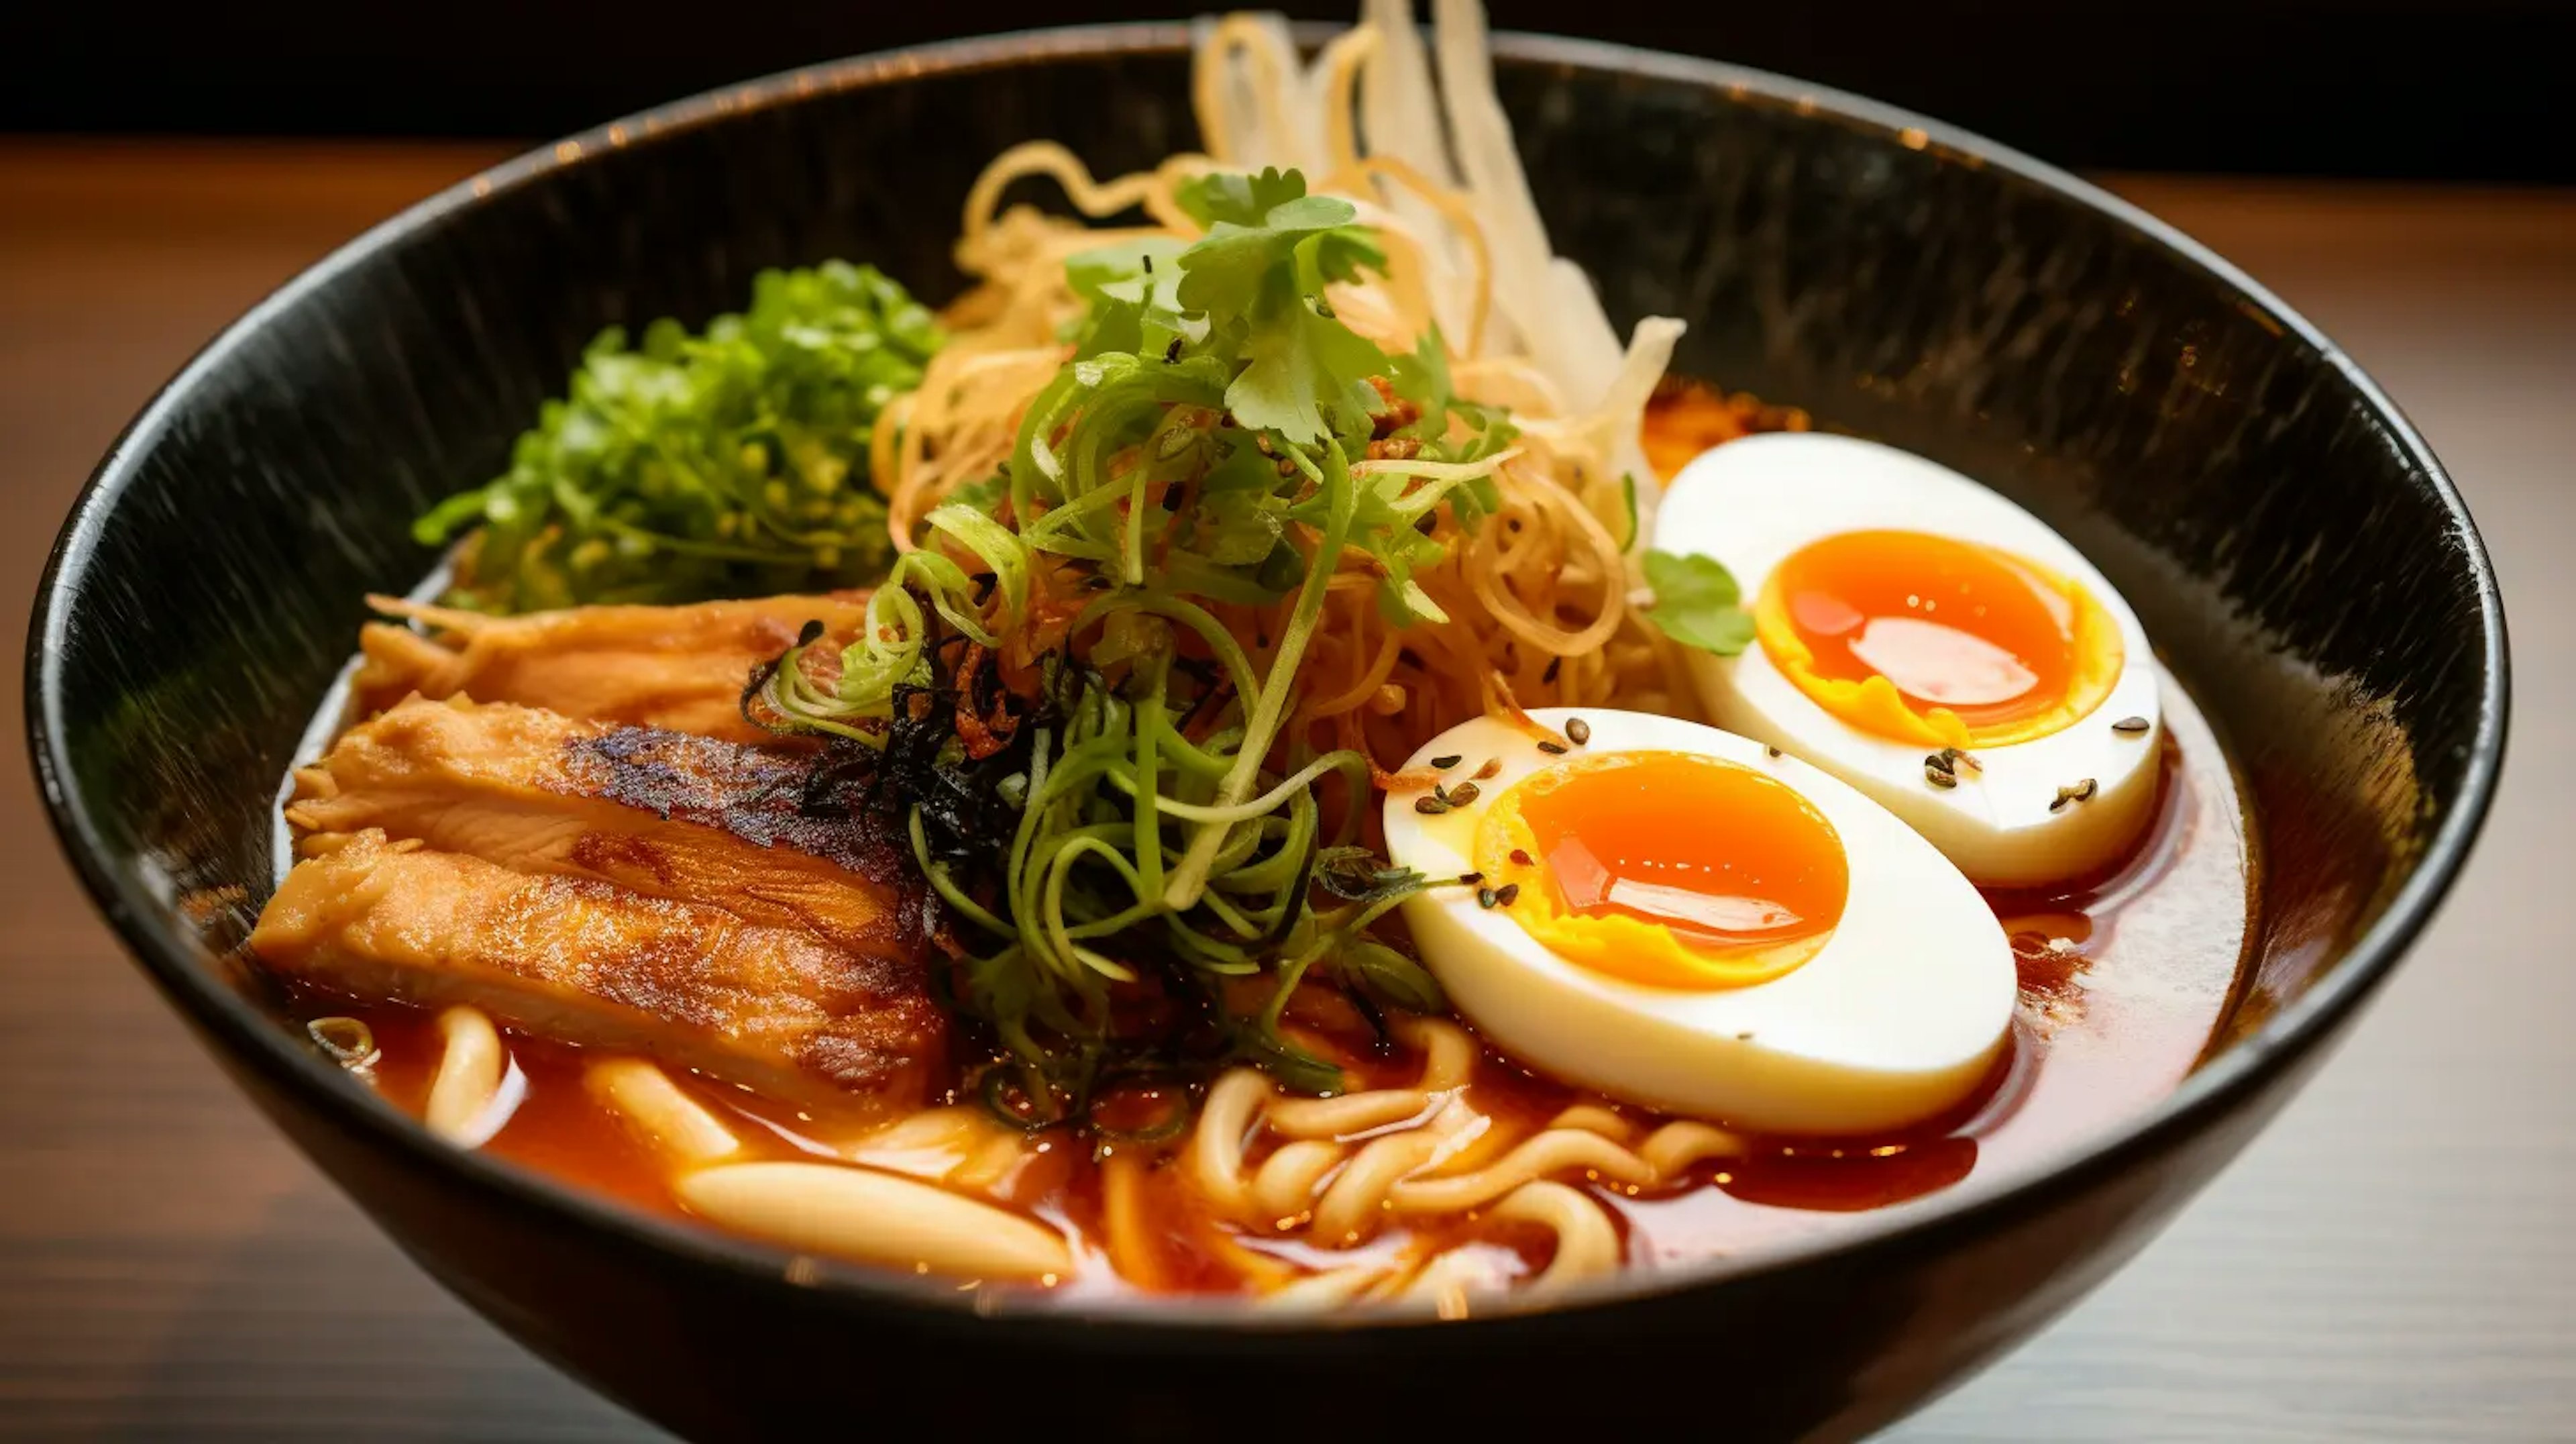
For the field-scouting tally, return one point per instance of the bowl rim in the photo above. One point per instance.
(2219, 1083)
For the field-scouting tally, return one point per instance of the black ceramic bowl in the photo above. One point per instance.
(2308, 569)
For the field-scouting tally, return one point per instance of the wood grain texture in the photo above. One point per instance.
(2390, 1261)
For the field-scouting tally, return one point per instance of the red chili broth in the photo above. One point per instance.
(2125, 977)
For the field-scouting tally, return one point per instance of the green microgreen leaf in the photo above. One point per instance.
(1696, 603)
(1237, 197)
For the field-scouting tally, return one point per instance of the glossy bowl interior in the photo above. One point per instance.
(2306, 568)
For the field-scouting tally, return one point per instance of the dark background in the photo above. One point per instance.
(2480, 90)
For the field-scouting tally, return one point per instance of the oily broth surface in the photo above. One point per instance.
(2124, 979)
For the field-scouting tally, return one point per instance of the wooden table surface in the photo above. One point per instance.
(2394, 1259)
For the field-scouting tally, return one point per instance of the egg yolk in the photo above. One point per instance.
(1666, 868)
(1924, 638)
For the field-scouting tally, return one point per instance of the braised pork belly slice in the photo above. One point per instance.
(677, 668)
(666, 815)
(772, 1008)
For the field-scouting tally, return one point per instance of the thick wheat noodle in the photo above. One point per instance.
(1349, 1114)
(1244, 1099)
(1554, 1151)
(1329, 1289)
(1593, 1118)
(990, 1165)
(1357, 1195)
(1448, 1054)
(1447, 1280)
(1676, 1146)
(1587, 1245)
(468, 1081)
(1215, 1154)
(876, 1217)
(644, 1097)
(1285, 1183)
(1130, 1239)
(932, 1130)
(956, 1145)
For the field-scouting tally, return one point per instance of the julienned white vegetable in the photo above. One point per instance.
(1281, 114)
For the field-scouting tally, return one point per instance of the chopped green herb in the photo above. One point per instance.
(732, 462)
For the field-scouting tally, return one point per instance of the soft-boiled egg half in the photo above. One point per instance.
(1689, 920)
(1930, 643)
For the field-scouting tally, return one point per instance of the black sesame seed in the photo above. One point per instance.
(1484, 897)
(1549, 676)
(1445, 763)
(1507, 893)
(1951, 759)
(1430, 806)
(1770, 751)
(1940, 778)
(1578, 731)
(2081, 792)
(2130, 725)
(1471, 878)
(1552, 749)
(1462, 794)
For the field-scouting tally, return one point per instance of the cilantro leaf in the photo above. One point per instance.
(1301, 362)
(1696, 603)
(1423, 379)
(1134, 291)
(1259, 288)
(1236, 197)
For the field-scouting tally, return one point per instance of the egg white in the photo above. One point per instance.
(1898, 1017)
(1751, 503)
